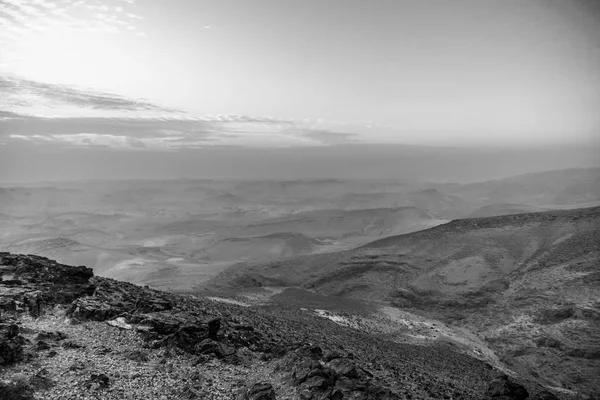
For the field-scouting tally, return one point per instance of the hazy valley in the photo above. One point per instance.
(177, 234)
(503, 271)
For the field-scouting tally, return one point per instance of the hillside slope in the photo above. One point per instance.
(66, 334)
(528, 284)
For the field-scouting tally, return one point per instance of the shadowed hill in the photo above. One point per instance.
(528, 284)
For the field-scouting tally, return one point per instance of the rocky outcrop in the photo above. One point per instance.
(333, 376)
(36, 282)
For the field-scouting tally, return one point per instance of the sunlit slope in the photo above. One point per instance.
(452, 260)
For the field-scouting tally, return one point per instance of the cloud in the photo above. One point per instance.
(98, 119)
(23, 21)
(327, 136)
(77, 14)
(166, 133)
(23, 93)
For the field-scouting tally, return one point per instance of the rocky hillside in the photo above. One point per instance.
(67, 334)
(528, 284)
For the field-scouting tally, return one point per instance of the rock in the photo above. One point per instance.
(213, 327)
(50, 336)
(41, 381)
(302, 369)
(344, 367)
(502, 388)
(259, 391)
(209, 346)
(77, 366)
(41, 345)
(69, 344)
(16, 391)
(544, 395)
(136, 355)
(11, 344)
(98, 381)
(120, 323)
(187, 393)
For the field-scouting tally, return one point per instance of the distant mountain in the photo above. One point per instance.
(529, 284)
(350, 226)
(504, 209)
(441, 204)
(579, 185)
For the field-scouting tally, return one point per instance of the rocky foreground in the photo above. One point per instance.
(67, 334)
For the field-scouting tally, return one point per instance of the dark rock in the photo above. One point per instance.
(213, 327)
(11, 344)
(11, 331)
(77, 366)
(344, 367)
(310, 350)
(209, 346)
(241, 327)
(136, 355)
(502, 388)
(42, 345)
(259, 391)
(69, 344)
(187, 393)
(332, 355)
(98, 381)
(302, 369)
(50, 336)
(544, 395)
(16, 391)
(41, 380)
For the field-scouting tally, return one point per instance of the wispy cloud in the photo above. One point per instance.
(27, 21)
(23, 93)
(36, 15)
(117, 122)
(166, 133)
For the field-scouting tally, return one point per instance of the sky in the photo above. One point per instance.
(161, 76)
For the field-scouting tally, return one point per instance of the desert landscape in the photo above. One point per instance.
(503, 271)
(299, 200)
(177, 234)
